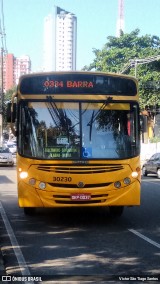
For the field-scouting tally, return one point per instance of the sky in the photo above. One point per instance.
(96, 20)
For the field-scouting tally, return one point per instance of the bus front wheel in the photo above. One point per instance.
(29, 211)
(116, 211)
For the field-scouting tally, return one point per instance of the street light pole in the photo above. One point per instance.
(2, 100)
(135, 62)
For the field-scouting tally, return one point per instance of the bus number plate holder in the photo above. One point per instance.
(80, 196)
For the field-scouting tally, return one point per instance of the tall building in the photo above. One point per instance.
(60, 41)
(22, 66)
(8, 71)
(13, 68)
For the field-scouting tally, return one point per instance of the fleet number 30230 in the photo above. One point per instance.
(63, 179)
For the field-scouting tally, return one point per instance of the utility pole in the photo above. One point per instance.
(2, 100)
(3, 50)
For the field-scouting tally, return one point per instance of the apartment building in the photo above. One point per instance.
(13, 68)
(60, 41)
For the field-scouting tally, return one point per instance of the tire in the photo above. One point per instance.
(30, 211)
(144, 172)
(158, 173)
(11, 165)
(116, 211)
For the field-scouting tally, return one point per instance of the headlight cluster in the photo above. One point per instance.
(32, 181)
(41, 184)
(127, 180)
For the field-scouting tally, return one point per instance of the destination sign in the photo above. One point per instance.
(68, 84)
(76, 83)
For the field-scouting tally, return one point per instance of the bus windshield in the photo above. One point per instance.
(78, 130)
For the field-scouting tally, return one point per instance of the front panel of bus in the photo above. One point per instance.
(78, 151)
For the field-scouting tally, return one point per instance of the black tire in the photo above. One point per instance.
(11, 165)
(116, 211)
(158, 173)
(29, 211)
(144, 171)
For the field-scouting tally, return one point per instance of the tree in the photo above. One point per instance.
(118, 51)
(7, 98)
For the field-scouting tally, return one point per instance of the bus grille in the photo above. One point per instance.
(62, 185)
(81, 169)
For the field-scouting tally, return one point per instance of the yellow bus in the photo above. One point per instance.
(78, 138)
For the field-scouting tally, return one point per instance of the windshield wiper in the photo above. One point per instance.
(58, 115)
(101, 108)
(94, 115)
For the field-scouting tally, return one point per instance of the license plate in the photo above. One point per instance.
(80, 196)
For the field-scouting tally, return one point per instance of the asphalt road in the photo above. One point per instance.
(81, 243)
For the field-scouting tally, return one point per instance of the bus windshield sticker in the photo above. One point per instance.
(87, 152)
(62, 140)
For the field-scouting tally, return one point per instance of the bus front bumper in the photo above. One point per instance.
(65, 197)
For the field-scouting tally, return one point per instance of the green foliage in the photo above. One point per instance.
(7, 98)
(154, 139)
(116, 55)
(8, 94)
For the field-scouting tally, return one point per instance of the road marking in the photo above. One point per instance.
(152, 182)
(144, 238)
(20, 258)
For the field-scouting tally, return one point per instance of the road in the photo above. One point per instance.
(80, 244)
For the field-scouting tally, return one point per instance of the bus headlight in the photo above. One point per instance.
(42, 185)
(117, 184)
(32, 181)
(134, 174)
(23, 175)
(127, 180)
